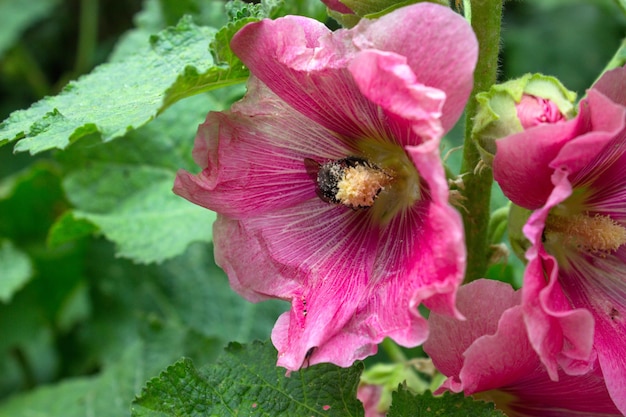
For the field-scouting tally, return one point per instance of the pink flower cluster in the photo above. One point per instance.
(331, 195)
(573, 175)
(534, 351)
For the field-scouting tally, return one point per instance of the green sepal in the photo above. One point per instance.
(518, 217)
(393, 5)
(373, 9)
(497, 225)
(347, 20)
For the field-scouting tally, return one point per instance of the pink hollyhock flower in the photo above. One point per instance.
(328, 182)
(573, 174)
(490, 357)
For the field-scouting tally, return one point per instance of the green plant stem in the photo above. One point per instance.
(486, 20)
(87, 37)
(393, 351)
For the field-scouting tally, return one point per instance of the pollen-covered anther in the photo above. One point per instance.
(360, 185)
(596, 233)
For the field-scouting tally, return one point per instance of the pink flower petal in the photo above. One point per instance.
(441, 265)
(241, 265)
(560, 334)
(296, 58)
(613, 85)
(534, 111)
(610, 331)
(369, 395)
(457, 336)
(522, 162)
(440, 47)
(603, 121)
(304, 63)
(386, 79)
(490, 357)
(251, 152)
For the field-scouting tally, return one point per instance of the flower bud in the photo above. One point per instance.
(518, 105)
(533, 111)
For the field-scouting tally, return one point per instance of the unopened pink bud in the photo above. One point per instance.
(533, 111)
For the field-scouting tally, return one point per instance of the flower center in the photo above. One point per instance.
(404, 190)
(597, 234)
(354, 182)
(382, 179)
(360, 185)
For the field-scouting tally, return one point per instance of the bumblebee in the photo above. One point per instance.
(353, 181)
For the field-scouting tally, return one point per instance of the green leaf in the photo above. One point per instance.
(406, 404)
(68, 228)
(189, 290)
(228, 69)
(16, 269)
(107, 394)
(158, 14)
(143, 318)
(201, 297)
(119, 96)
(148, 226)
(115, 97)
(27, 348)
(15, 18)
(30, 201)
(246, 381)
(124, 188)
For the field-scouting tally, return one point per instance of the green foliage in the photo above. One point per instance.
(406, 404)
(16, 269)
(127, 93)
(45, 308)
(135, 321)
(68, 228)
(94, 104)
(105, 395)
(226, 70)
(15, 18)
(245, 381)
(30, 201)
(124, 187)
